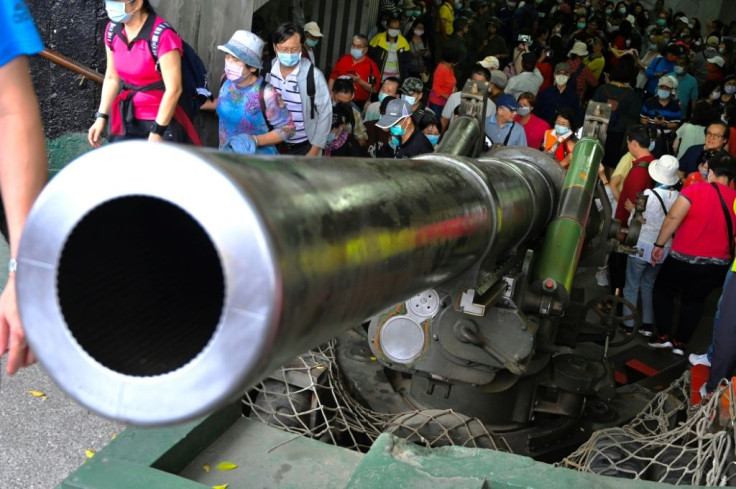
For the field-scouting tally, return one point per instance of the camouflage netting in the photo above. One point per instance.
(308, 397)
(669, 441)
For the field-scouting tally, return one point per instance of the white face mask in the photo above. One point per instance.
(394, 32)
(561, 80)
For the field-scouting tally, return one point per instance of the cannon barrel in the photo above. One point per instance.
(157, 282)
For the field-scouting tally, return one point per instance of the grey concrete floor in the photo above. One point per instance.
(42, 440)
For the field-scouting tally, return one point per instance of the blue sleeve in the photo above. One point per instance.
(20, 36)
(652, 64)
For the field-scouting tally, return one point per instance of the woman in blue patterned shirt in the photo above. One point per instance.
(253, 116)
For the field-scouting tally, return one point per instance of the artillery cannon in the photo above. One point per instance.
(180, 277)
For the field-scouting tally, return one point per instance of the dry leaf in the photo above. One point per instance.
(226, 466)
(224, 486)
(90, 453)
(206, 468)
(37, 394)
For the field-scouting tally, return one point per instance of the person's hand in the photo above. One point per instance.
(94, 135)
(314, 151)
(628, 205)
(155, 138)
(657, 254)
(12, 336)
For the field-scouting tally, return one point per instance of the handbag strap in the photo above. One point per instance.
(661, 202)
(506, 141)
(728, 218)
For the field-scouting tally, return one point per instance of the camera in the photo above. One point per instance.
(525, 38)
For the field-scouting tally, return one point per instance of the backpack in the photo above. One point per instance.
(193, 71)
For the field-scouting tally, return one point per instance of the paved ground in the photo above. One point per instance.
(42, 440)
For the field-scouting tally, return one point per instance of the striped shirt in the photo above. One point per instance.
(289, 89)
(670, 112)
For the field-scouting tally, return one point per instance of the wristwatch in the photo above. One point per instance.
(157, 128)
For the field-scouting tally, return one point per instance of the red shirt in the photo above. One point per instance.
(443, 85)
(137, 67)
(637, 180)
(547, 71)
(364, 68)
(534, 129)
(703, 232)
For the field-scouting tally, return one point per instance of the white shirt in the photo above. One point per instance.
(453, 101)
(654, 215)
(528, 81)
(289, 90)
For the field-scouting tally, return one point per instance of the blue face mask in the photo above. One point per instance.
(433, 138)
(663, 94)
(561, 130)
(381, 96)
(409, 100)
(356, 53)
(679, 70)
(116, 11)
(289, 59)
(704, 174)
(651, 146)
(312, 42)
(331, 138)
(397, 130)
(459, 5)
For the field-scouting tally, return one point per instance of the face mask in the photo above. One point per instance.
(394, 32)
(715, 95)
(622, 10)
(396, 130)
(418, 32)
(312, 42)
(356, 53)
(116, 11)
(394, 142)
(234, 72)
(331, 138)
(561, 130)
(581, 25)
(433, 139)
(289, 59)
(704, 174)
(661, 22)
(409, 100)
(459, 5)
(651, 146)
(679, 70)
(561, 80)
(652, 47)
(381, 96)
(609, 11)
(512, 5)
(729, 89)
(522, 111)
(628, 43)
(721, 50)
(663, 94)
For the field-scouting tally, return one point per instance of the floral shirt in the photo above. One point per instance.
(239, 109)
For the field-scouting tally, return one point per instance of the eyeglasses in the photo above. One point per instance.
(289, 50)
(357, 46)
(713, 135)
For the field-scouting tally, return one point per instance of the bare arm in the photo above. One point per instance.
(110, 89)
(171, 72)
(22, 175)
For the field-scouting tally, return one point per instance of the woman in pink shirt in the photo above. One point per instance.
(140, 95)
(443, 84)
(534, 127)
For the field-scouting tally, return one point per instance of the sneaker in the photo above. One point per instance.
(646, 330)
(678, 348)
(661, 342)
(601, 277)
(699, 359)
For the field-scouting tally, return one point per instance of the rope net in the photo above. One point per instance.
(668, 441)
(310, 397)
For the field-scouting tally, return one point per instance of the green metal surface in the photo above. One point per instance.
(396, 464)
(559, 256)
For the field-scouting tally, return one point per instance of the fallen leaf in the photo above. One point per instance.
(90, 453)
(37, 394)
(206, 468)
(226, 466)
(114, 435)
(224, 486)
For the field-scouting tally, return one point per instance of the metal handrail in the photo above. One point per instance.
(72, 65)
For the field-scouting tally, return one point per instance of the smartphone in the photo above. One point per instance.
(525, 38)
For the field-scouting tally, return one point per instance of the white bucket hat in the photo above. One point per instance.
(245, 46)
(664, 170)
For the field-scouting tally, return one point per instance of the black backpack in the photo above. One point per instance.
(193, 72)
(311, 87)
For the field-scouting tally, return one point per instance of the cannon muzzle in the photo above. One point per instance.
(157, 282)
